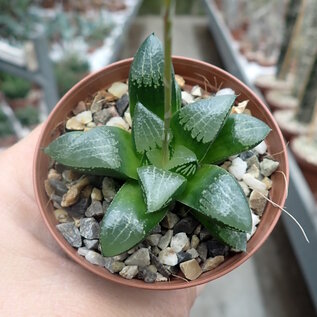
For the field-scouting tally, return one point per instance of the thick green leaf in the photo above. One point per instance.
(204, 118)
(235, 239)
(240, 133)
(183, 160)
(126, 222)
(147, 129)
(159, 186)
(146, 78)
(215, 193)
(197, 125)
(101, 151)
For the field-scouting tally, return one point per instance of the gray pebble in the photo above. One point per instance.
(122, 104)
(160, 267)
(202, 250)
(129, 272)
(253, 160)
(78, 209)
(82, 251)
(204, 234)
(165, 240)
(108, 189)
(170, 220)
(95, 258)
(246, 155)
(120, 257)
(58, 186)
(95, 209)
(183, 256)
(89, 228)
(153, 239)
(186, 225)
(194, 241)
(141, 258)
(91, 244)
(102, 116)
(193, 252)
(268, 167)
(116, 266)
(157, 229)
(147, 275)
(216, 248)
(70, 233)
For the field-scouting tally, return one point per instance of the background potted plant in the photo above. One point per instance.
(149, 161)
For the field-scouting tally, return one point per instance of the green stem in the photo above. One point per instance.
(169, 9)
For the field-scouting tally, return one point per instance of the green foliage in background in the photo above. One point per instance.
(28, 116)
(14, 87)
(5, 125)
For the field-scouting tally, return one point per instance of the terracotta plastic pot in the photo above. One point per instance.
(194, 72)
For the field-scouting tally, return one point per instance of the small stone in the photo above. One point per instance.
(147, 275)
(168, 257)
(253, 160)
(165, 240)
(61, 215)
(57, 200)
(82, 251)
(129, 272)
(127, 118)
(77, 222)
(152, 268)
(70, 176)
(132, 250)
(72, 195)
(268, 183)
(84, 117)
(245, 188)
(81, 106)
(268, 167)
(226, 165)
(157, 229)
(194, 241)
(253, 183)
(116, 266)
(118, 89)
(258, 202)
(160, 278)
(58, 186)
(215, 248)
(187, 98)
(212, 263)
(180, 81)
(108, 189)
(86, 192)
(153, 239)
(193, 252)
(183, 256)
(204, 234)
(197, 230)
(78, 209)
(156, 251)
(91, 244)
(191, 269)
(140, 257)
(180, 242)
(241, 107)
(255, 222)
(261, 148)
(102, 116)
(105, 205)
(95, 107)
(74, 124)
(95, 258)
(160, 267)
(118, 122)
(95, 209)
(202, 250)
(246, 155)
(170, 220)
(96, 194)
(122, 104)
(48, 188)
(53, 174)
(196, 91)
(89, 228)
(238, 168)
(70, 233)
(254, 171)
(186, 225)
(120, 257)
(225, 91)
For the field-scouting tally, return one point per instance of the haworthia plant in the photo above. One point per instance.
(202, 133)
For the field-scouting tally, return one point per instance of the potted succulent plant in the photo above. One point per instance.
(130, 182)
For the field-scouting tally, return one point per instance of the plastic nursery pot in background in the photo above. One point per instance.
(195, 73)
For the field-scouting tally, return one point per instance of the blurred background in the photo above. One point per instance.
(47, 46)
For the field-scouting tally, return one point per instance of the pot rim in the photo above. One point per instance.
(242, 257)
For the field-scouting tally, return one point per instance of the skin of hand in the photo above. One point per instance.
(36, 276)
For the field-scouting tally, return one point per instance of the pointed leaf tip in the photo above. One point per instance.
(159, 186)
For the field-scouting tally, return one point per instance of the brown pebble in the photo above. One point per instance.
(72, 195)
(81, 106)
(191, 269)
(53, 174)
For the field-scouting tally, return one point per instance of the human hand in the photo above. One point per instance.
(38, 279)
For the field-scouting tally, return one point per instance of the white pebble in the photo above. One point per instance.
(118, 89)
(187, 97)
(245, 188)
(127, 118)
(255, 222)
(84, 117)
(196, 91)
(118, 122)
(238, 168)
(254, 183)
(180, 242)
(225, 91)
(168, 257)
(261, 148)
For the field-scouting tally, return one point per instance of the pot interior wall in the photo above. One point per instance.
(194, 73)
